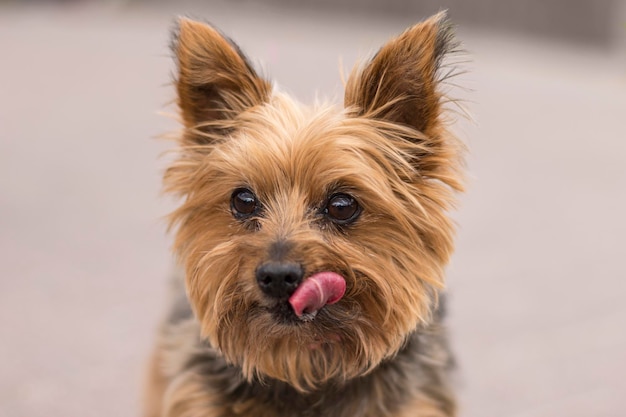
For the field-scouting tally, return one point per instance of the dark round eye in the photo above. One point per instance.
(342, 208)
(243, 203)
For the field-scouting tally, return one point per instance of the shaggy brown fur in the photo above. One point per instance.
(361, 191)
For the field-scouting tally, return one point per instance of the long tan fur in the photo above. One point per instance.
(382, 345)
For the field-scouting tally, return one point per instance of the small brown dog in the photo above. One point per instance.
(314, 240)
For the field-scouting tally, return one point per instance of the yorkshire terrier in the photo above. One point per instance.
(313, 240)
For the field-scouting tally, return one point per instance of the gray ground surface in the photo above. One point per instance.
(538, 289)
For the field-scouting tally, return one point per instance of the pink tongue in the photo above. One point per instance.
(316, 291)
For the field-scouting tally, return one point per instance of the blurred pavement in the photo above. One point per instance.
(538, 283)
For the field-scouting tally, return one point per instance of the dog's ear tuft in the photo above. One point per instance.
(215, 81)
(400, 83)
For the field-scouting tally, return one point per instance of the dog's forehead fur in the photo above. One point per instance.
(283, 145)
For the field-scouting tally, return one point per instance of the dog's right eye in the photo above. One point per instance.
(243, 203)
(342, 208)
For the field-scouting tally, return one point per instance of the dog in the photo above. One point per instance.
(313, 239)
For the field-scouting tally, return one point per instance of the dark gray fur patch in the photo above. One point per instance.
(279, 250)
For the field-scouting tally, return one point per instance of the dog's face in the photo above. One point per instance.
(313, 239)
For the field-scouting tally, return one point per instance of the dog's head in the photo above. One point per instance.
(314, 239)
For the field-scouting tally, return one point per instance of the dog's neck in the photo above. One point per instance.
(384, 389)
(381, 392)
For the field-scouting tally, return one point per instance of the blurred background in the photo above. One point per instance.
(538, 283)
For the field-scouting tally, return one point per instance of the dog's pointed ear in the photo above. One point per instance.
(400, 83)
(215, 82)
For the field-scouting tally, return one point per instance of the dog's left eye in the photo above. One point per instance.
(342, 208)
(243, 203)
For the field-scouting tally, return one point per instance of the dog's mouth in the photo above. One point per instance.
(315, 292)
(312, 295)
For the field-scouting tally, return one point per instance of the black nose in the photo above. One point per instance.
(279, 280)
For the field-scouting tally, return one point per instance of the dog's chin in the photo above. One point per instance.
(282, 314)
(304, 352)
